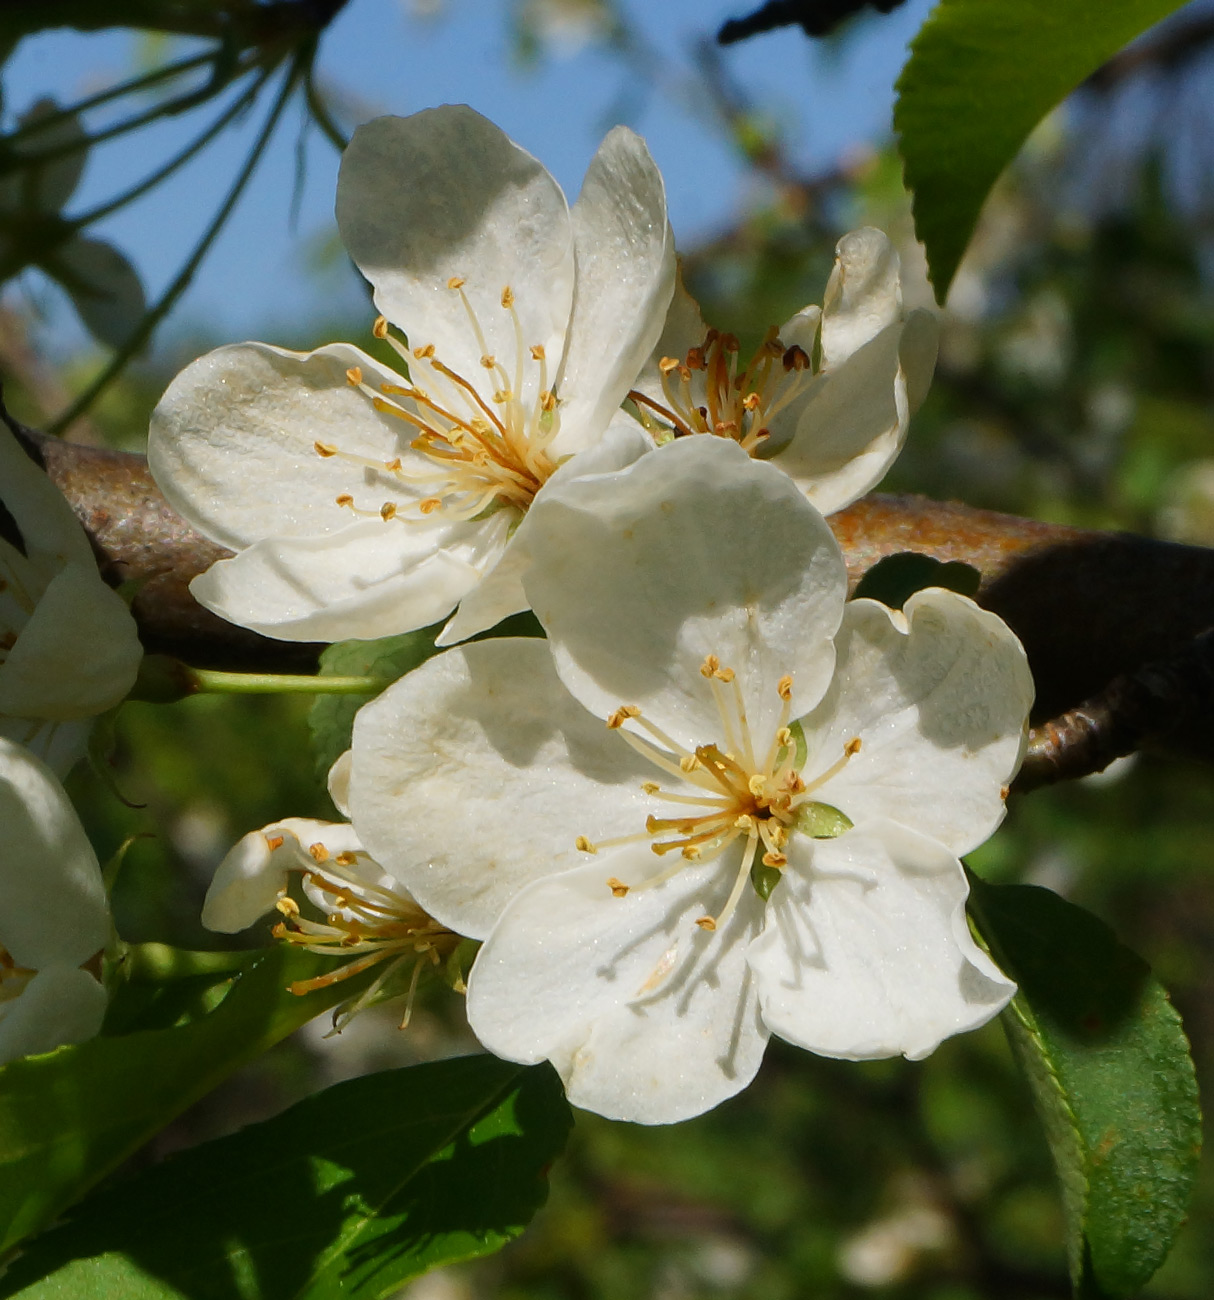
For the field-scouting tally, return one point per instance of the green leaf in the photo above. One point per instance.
(103, 285)
(347, 1194)
(821, 821)
(981, 75)
(1112, 1079)
(895, 579)
(331, 718)
(69, 1117)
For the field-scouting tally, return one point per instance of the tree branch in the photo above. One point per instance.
(1108, 620)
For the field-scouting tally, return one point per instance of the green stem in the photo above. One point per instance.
(209, 681)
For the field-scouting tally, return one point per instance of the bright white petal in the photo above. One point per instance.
(52, 900)
(444, 193)
(40, 511)
(646, 1017)
(78, 654)
(850, 425)
(474, 775)
(863, 295)
(60, 745)
(939, 697)
(249, 880)
(500, 592)
(232, 443)
(61, 1004)
(866, 953)
(339, 783)
(375, 578)
(693, 550)
(625, 277)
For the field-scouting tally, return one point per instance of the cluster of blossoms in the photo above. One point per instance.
(717, 801)
(68, 652)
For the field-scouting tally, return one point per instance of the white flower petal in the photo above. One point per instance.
(78, 654)
(444, 193)
(52, 900)
(375, 578)
(684, 329)
(60, 745)
(252, 875)
(939, 697)
(625, 277)
(61, 1004)
(232, 442)
(500, 592)
(850, 425)
(863, 295)
(865, 952)
(46, 522)
(646, 1017)
(474, 775)
(693, 550)
(339, 783)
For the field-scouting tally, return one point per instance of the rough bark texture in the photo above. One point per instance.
(1090, 607)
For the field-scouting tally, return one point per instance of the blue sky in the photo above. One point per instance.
(379, 54)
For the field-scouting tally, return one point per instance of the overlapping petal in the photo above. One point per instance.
(638, 585)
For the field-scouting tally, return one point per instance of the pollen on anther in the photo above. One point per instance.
(346, 858)
(380, 328)
(667, 364)
(354, 376)
(547, 400)
(647, 787)
(583, 845)
(425, 352)
(621, 715)
(724, 674)
(706, 923)
(507, 297)
(537, 352)
(774, 859)
(274, 842)
(455, 282)
(318, 852)
(344, 500)
(287, 906)
(325, 449)
(692, 853)
(852, 746)
(430, 505)
(617, 887)
(784, 687)
(710, 665)
(387, 511)
(689, 763)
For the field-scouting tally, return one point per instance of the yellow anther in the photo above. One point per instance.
(488, 361)
(346, 859)
(354, 376)
(287, 906)
(537, 352)
(667, 364)
(507, 297)
(425, 352)
(771, 859)
(325, 449)
(693, 852)
(274, 842)
(455, 282)
(689, 763)
(784, 689)
(751, 402)
(583, 845)
(344, 500)
(547, 401)
(387, 511)
(756, 783)
(710, 665)
(784, 735)
(318, 852)
(706, 923)
(502, 396)
(724, 674)
(430, 505)
(392, 466)
(852, 746)
(647, 787)
(621, 715)
(617, 887)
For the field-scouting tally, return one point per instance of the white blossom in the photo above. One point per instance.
(827, 396)
(53, 913)
(764, 837)
(368, 919)
(361, 502)
(69, 649)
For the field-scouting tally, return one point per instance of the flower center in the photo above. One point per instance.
(13, 978)
(738, 790)
(705, 393)
(367, 922)
(480, 443)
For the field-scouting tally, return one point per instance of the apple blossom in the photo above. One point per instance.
(368, 917)
(69, 649)
(53, 913)
(361, 502)
(827, 396)
(764, 835)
